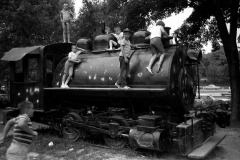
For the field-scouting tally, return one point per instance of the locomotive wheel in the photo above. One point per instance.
(69, 132)
(118, 142)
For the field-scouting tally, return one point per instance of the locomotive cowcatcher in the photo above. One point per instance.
(155, 113)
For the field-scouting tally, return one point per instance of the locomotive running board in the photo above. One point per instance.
(112, 92)
(202, 151)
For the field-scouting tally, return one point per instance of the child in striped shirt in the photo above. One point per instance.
(23, 132)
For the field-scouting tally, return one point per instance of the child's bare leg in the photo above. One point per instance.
(111, 43)
(68, 31)
(64, 32)
(69, 75)
(149, 67)
(63, 79)
(68, 79)
(160, 61)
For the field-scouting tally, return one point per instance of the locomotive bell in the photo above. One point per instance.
(85, 43)
(101, 42)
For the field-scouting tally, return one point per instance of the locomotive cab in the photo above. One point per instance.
(31, 70)
(26, 80)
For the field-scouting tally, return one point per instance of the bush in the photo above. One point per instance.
(203, 103)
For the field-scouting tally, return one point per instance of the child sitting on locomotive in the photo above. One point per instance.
(23, 132)
(157, 32)
(69, 64)
(119, 35)
(66, 17)
(124, 58)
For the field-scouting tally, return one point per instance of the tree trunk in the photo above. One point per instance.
(234, 73)
(231, 52)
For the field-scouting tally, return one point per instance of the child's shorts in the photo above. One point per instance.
(68, 67)
(156, 45)
(66, 21)
(118, 44)
(17, 151)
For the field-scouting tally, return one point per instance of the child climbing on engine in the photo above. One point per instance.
(66, 16)
(69, 64)
(119, 35)
(124, 58)
(23, 132)
(157, 32)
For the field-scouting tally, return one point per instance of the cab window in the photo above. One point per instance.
(19, 76)
(32, 68)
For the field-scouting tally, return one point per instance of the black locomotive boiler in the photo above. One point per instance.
(155, 113)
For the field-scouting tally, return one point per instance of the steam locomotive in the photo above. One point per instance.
(155, 113)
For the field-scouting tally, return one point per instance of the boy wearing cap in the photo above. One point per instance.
(157, 32)
(124, 60)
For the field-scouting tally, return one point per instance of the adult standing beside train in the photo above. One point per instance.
(156, 45)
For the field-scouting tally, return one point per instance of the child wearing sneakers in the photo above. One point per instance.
(124, 60)
(23, 132)
(69, 64)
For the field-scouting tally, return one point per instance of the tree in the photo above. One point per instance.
(224, 11)
(216, 67)
(139, 12)
(29, 22)
(95, 13)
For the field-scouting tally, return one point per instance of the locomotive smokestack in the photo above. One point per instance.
(167, 29)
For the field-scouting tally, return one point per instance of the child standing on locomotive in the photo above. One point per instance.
(157, 32)
(23, 132)
(69, 64)
(124, 57)
(119, 35)
(66, 17)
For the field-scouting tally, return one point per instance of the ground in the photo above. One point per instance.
(228, 149)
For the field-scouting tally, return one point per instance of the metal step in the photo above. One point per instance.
(202, 151)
